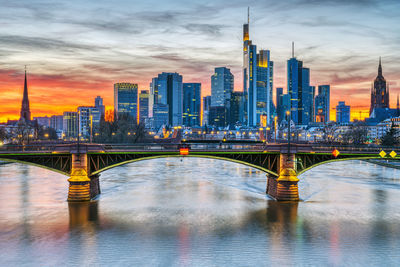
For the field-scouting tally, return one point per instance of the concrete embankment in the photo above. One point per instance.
(386, 163)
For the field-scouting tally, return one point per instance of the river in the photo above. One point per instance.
(201, 212)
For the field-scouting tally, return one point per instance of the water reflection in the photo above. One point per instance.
(83, 213)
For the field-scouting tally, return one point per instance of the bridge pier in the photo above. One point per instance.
(81, 186)
(284, 188)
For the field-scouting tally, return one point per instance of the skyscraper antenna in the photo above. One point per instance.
(292, 49)
(248, 15)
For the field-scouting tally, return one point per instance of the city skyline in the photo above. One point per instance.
(59, 69)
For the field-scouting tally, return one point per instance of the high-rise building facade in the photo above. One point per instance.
(221, 87)
(56, 122)
(380, 92)
(342, 112)
(322, 104)
(70, 125)
(98, 103)
(191, 104)
(25, 109)
(206, 109)
(300, 91)
(257, 82)
(217, 116)
(166, 93)
(236, 108)
(126, 99)
(89, 119)
(143, 105)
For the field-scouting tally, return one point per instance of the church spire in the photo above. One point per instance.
(25, 110)
(380, 68)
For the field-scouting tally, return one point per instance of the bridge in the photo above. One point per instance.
(282, 163)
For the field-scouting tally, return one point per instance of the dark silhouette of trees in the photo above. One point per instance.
(390, 138)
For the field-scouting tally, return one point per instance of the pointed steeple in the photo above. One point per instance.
(25, 110)
(380, 68)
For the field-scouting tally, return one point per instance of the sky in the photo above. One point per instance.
(76, 50)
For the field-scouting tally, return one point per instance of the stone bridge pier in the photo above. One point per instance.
(284, 187)
(81, 186)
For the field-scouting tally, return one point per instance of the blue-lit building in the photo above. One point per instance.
(143, 105)
(98, 103)
(221, 87)
(206, 109)
(300, 92)
(236, 109)
(264, 84)
(126, 99)
(166, 93)
(89, 119)
(322, 106)
(342, 112)
(191, 104)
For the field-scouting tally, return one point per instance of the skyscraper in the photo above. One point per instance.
(125, 99)
(322, 104)
(342, 112)
(206, 109)
(89, 119)
(191, 104)
(299, 90)
(236, 108)
(257, 81)
(25, 110)
(221, 87)
(70, 125)
(143, 105)
(379, 93)
(98, 103)
(166, 92)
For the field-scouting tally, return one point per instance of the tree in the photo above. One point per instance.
(3, 134)
(356, 135)
(390, 138)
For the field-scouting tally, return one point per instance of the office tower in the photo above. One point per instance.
(98, 103)
(217, 116)
(299, 90)
(379, 93)
(322, 104)
(89, 119)
(143, 105)
(126, 99)
(70, 125)
(284, 106)
(257, 81)
(312, 92)
(236, 108)
(25, 110)
(221, 87)
(166, 94)
(278, 99)
(191, 104)
(342, 112)
(56, 122)
(206, 109)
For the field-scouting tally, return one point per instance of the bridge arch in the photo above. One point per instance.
(189, 156)
(62, 171)
(333, 160)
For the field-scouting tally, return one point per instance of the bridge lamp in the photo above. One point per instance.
(1, 143)
(129, 133)
(224, 140)
(46, 135)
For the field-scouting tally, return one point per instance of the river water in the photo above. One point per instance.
(201, 212)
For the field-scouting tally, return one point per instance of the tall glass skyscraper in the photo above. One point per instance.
(342, 112)
(126, 99)
(191, 104)
(143, 105)
(301, 96)
(322, 104)
(221, 87)
(166, 92)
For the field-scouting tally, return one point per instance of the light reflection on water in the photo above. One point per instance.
(201, 212)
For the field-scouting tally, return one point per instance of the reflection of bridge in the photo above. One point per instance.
(84, 163)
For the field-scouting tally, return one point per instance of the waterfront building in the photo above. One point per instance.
(89, 119)
(379, 91)
(25, 113)
(126, 99)
(70, 125)
(217, 116)
(143, 105)
(166, 92)
(191, 104)
(236, 108)
(342, 113)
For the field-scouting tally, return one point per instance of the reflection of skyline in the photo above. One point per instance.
(130, 41)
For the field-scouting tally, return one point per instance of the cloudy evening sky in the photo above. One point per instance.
(76, 50)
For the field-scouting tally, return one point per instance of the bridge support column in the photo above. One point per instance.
(284, 188)
(81, 186)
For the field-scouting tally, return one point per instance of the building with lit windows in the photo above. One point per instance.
(126, 99)
(70, 125)
(322, 105)
(89, 119)
(342, 113)
(191, 104)
(143, 105)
